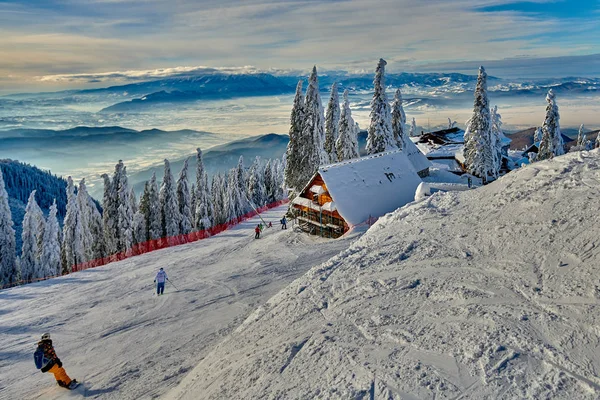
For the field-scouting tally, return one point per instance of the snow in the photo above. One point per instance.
(488, 293)
(370, 186)
(415, 156)
(113, 334)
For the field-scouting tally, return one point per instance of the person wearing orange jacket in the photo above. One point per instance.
(53, 364)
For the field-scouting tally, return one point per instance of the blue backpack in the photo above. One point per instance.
(40, 358)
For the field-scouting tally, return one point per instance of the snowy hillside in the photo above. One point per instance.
(491, 293)
(123, 342)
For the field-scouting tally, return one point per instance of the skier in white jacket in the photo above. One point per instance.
(161, 278)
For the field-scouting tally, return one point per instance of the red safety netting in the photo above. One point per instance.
(157, 244)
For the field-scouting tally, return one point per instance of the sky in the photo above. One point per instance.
(62, 44)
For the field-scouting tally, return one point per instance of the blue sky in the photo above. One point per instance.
(56, 44)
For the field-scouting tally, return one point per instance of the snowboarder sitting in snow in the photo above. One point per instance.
(257, 232)
(161, 278)
(51, 363)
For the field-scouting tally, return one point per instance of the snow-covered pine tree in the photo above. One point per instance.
(133, 201)
(380, 136)
(347, 143)
(496, 138)
(218, 192)
(479, 157)
(232, 197)
(242, 187)
(203, 210)
(311, 147)
(30, 262)
(125, 214)
(398, 120)
(109, 216)
(537, 136)
(140, 231)
(269, 183)
(73, 240)
(597, 142)
(169, 209)
(193, 204)
(295, 144)
(91, 223)
(155, 230)
(9, 273)
(581, 137)
(145, 211)
(256, 190)
(451, 124)
(50, 258)
(552, 143)
(413, 128)
(332, 121)
(184, 201)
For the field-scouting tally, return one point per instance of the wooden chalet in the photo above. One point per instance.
(348, 193)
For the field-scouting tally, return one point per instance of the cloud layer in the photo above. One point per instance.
(53, 41)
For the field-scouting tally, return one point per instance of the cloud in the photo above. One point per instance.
(58, 39)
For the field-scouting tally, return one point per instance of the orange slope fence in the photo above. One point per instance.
(157, 244)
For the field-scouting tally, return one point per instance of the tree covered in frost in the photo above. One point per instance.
(270, 191)
(496, 137)
(478, 151)
(537, 136)
(232, 196)
(218, 192)
(597, 142)
(155, 216)
(380, 134)
(109, 216)
(31, 252)
(551, 144)
(203, 213)
(295, 145)
(125, 213)
(145, 212)
(50, 251)
(8, 267)
(413, 128)
(256, 189)
(193, 204)
(184, 201)
(140, 231)
(332, 121)
(398, 120)
(240, 173)
(347, 143)
(74, 245)
(133, 201)
(169, 209)
(311, 146)
(93, 235)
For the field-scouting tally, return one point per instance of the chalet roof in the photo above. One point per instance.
(370, 186)
(418, 160)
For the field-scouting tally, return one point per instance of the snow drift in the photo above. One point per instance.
(490, 293)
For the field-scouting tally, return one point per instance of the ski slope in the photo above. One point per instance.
(491, 293)
(123, 342)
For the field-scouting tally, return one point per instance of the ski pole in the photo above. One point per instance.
(173, 284)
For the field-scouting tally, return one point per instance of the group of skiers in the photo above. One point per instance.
(259, 227)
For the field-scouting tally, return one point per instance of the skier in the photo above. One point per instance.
(257, 232)
(283, 223)
(161, 278)
(270, 224)
(48, 361)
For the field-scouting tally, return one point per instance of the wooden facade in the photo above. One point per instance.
(313, 214)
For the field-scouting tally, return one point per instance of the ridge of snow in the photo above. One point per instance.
(488, 293)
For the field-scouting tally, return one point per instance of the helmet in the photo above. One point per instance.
(161, 268)
(46, 336)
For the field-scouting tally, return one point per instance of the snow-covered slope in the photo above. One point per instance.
(486, 294)
(123, 342)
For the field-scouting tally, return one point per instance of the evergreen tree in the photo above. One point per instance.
(332, 121)
(581, 138)
(311, 143)
(109, 216)
(596, 143)
(155, 229)
(295, 144)
(30, 262)
(256, 190)
(125, 214)
(203, 211)
(133, 201)
(398, 120)
(146, 213)
(73, 240)
(537, 136)
(169, 209)
(193, 204)
(241, 185)
(8, 264)
(184, 201)
(219, 193)
(232, 197)
(552, 143)
(50, 258)
(380, 136)
(479, 155)
(140, 230)
(347, 142)
(413, 128)
(91, 224)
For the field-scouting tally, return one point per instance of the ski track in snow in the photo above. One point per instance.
(491, 293)
(120, 340)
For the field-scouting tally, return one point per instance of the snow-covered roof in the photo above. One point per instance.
(317, 189)
(370, 186)
(415, 156)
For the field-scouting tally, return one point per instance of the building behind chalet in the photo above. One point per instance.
(348, 193)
